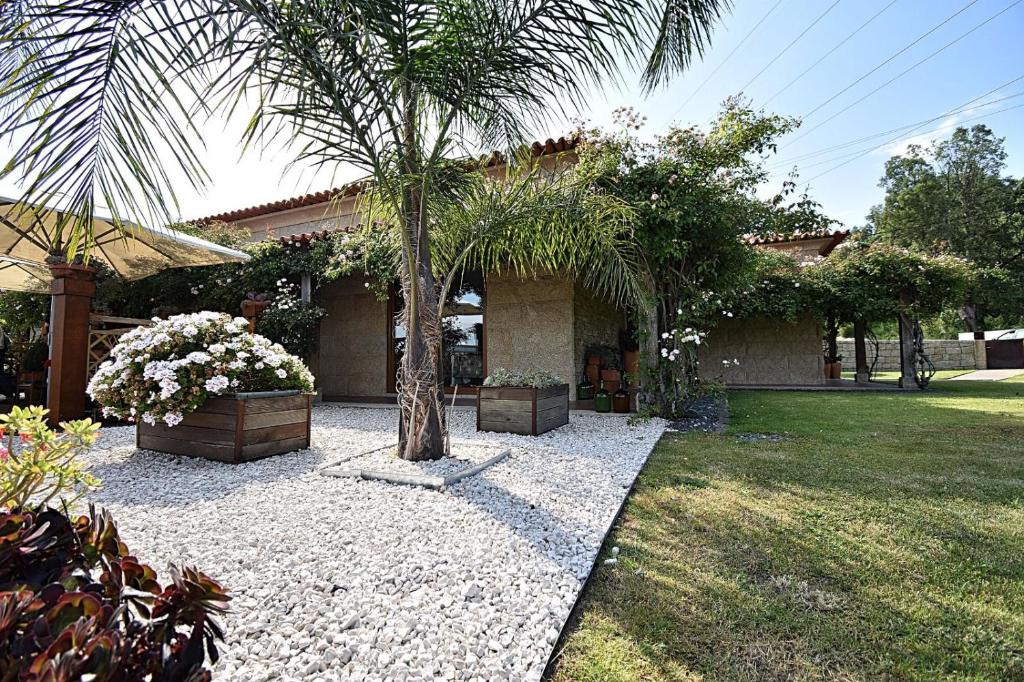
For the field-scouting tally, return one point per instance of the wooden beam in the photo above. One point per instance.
(863, 372)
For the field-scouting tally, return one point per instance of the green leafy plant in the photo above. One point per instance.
(34, 359)
(75, 604)
(39, 465)
(536, 378)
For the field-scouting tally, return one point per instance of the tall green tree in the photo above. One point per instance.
(951, 197)
(103, 97)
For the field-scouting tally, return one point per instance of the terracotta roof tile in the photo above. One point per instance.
(837, 238)
(549, 146)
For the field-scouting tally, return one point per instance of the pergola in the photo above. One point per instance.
(33, 241)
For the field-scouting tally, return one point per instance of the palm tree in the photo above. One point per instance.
(102, 99)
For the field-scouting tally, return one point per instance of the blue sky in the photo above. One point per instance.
(980, 62)
(990, 56)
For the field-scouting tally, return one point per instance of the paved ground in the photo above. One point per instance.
(341, 579)
(989, 375)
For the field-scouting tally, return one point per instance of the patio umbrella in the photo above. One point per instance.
(23, 275)
(26, 235)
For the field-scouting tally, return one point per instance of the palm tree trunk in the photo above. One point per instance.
(421, 426)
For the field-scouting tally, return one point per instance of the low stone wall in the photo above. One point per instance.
(944, 354)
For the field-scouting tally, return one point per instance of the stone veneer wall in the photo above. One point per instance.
(352, 355)
(769, 352)
(595, 322)
(529, 325)
(944, 353)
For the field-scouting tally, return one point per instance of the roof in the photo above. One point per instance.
(304, 238)
(836, 238)
(537, 149)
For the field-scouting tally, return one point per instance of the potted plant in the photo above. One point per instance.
(202, 385)
(611, 368)
(529, 403)
(631, 357)
(837, 367)
(602, 400)
(33, 362)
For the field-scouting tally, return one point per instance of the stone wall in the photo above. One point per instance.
(770, 352)
(529, 325)
(352, 354)
(595, 322)
(944, 353)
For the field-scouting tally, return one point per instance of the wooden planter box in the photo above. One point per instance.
(235, 428)
(529, 411)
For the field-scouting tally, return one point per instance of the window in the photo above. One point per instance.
(462, 334)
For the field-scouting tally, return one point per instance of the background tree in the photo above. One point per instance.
(390, 86)
(951, 198)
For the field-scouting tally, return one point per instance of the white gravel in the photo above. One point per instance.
(337, 578)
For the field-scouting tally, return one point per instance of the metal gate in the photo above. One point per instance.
(1005, 354)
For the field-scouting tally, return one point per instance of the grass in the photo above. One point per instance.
(881, 538)
(894, 376)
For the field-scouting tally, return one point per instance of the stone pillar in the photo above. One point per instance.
(860, 328)
(306, 288)
(72, 290)
(980, 353)
(906, 351)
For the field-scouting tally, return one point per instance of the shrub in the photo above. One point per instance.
(537, 378)
(170, 369)
(35, 357)
(38, 464)
(74, 604)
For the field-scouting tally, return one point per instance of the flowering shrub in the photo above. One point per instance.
(165, 371)
(537, 378)
(38, 464)
(76, 605)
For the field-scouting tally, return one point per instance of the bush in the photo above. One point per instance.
(537, 378)
(74, 604)
(170, 369)
(35, 357)
(37, 464)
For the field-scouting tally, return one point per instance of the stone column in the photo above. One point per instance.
(980, 352)
(860, 352)
(906, 352)
(71, 292)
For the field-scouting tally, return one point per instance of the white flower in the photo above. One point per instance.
(281, 373)
(149, 419)
(217, 384)
(190, 330)
(217, 348)
(728, 314)
(655, 196)
(173, 418)
(259, 365)
(664, 335)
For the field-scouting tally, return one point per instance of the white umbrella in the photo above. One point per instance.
(23, 275)
(26, 235)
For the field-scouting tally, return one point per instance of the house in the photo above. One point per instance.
(545, 322)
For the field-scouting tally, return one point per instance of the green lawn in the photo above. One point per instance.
(882, 538)
(894, 376)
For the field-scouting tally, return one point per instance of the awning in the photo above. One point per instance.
(26, 235)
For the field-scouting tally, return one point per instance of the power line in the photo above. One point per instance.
(894, 56)
(723, 62)
(903, 137)
(830, 52)
(910, 127)
(791, 44)
(909, 69)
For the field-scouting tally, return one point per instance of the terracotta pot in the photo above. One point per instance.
(837, 370)
(620, 402)
(594, 360)
(593, 373)
(611, 379)
(828, 370)
(631, 360)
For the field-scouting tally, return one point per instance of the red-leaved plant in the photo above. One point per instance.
(74, 604)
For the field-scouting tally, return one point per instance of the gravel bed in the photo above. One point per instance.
(708, 415)
(465, 454)
(339, 578)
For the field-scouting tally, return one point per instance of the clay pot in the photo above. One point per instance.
(593, 373)
(837, 370)
(594, 360)
(631, 361)
(612, 379)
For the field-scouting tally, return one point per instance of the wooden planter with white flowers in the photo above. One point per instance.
(237, 428)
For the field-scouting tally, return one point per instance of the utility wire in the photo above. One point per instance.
(894, 56)
(966, 106)
(791, 44)
(910, 68)
(724, 61)
(830, 52)
(903, 137)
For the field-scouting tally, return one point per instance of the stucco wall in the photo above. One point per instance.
(529, 324)
(769, 352)
(595, 322)
(352, 354)
(944, 354)
(306, 219)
